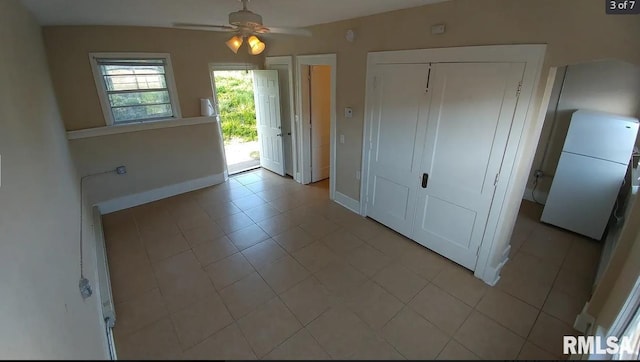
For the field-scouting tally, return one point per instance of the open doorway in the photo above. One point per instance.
(316, 105)
(234, 90)
(316, 76)
(584, 178)
(248, 104)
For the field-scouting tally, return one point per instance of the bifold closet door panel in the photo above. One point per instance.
(399, 107)
(469, 120)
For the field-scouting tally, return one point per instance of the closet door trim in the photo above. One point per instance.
(493, 251)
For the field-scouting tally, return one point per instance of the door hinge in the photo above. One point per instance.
(478, 250)
(428, 78)
(519, 89)
(495, 182)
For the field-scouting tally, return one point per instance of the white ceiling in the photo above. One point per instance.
(277, 13)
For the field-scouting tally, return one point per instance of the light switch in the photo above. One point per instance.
(348, 112)
(342, 139)
(438, 29)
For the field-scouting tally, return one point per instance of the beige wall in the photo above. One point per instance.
(154, 159)
(575, 31)
(68, 49)
(606, 86)
(43, 315)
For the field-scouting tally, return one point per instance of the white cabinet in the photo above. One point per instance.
(438, 135)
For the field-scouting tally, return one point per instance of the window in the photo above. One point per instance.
(135, 87)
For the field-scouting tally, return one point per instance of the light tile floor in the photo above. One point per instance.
(262, 267)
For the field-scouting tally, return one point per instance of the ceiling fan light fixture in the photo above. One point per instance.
(255, 45)
(234, 43)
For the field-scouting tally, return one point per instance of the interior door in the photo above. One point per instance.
(267, 100)
(399, 112)
(472, 108)
(285, 94)
(320, 100)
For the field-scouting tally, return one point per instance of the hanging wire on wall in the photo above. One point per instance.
(533, 191)
(84, 284)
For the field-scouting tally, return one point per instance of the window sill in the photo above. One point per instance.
(137, 127)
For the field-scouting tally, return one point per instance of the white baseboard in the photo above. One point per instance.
(541, 196)
(102, 290)
(506, 252)
(492, 275)
(125, 202)
(347, 202)
(584, 321)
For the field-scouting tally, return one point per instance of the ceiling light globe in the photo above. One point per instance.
(255, 45)
(234, 43)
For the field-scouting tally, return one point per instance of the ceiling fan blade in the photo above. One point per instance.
(290, 31)
(225, 28)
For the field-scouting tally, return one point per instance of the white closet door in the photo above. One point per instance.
(470, 116)
(399, 110)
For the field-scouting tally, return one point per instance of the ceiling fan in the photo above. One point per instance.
(245, 24)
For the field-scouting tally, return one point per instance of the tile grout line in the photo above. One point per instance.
(232, 317)
(168, 314)
(200, 299)
(540, 310)
(155, 277)
(145, 325)
(311, 275)
(256, 308)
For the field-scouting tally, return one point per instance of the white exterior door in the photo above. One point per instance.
(269, 123)
(470, 116)
(398, 123)
(320, 101)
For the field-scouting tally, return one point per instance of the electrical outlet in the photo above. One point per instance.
(342, 139)
(121, 170)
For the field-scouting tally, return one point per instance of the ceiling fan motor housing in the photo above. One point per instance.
(245, 18)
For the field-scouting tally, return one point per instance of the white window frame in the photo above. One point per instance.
(102, 91)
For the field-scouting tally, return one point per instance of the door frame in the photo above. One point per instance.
(288, 61)
(217, 67)
(304, 138)
(494, 248)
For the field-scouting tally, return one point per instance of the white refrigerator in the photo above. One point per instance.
(592, 166)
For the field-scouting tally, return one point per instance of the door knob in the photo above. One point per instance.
(288, 133)
(425, 180)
